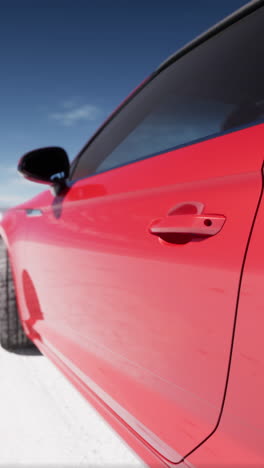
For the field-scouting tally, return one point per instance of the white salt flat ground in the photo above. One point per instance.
(45, 422)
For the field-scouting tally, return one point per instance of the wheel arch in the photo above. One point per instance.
(4, 237)
(7, 240)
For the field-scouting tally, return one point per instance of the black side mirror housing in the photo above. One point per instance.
(46, 166)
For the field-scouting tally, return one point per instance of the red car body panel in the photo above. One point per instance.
(143, 324)
(159, 328)
(238, 440)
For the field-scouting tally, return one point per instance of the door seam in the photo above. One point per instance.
(235, 318)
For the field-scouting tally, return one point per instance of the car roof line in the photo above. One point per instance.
(227, 21)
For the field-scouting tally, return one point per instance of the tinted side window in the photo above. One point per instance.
(216, 87)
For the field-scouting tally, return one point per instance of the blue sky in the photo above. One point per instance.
(65, 65)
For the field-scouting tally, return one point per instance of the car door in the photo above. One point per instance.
(136, 267)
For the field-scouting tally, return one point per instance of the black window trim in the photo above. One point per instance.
(173, 148)
(220, 26)
(223, 24)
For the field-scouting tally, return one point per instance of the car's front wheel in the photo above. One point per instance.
(12, 335)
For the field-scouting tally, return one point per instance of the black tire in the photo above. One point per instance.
(12, 335)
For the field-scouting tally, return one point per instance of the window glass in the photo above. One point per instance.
(215, 88)
(165, 128)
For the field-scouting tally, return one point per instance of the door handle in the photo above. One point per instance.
(192, 225)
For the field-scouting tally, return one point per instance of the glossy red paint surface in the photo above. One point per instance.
(239, 440)
(143, 324)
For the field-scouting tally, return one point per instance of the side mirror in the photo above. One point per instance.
(46, 166)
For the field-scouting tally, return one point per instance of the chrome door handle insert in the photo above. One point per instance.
(33, 212)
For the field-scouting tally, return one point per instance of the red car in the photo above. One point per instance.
(140, 275)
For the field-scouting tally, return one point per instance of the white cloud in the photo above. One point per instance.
(15, 189)
(70, 103)
(10, 170)
(69, 117)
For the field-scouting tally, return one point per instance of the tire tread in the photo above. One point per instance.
(12, 335)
